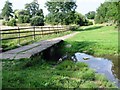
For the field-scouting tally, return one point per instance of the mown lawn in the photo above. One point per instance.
(94, 40)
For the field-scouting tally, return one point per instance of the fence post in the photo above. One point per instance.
(33, 32)
(41, 30)
(63, 28)
(18, 36)
(1, 40)
(58, 28)
(49, 30)
(54, 30)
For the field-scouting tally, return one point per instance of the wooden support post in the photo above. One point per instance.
(41, 30)
(1, 41)
(18, 36)
(53, 30)
(58, 28)
(49, 30)
(34, 33)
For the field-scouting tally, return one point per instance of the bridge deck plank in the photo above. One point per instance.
(30, 50)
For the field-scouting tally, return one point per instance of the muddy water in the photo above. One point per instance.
(101, 65)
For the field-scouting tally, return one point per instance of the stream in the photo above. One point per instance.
(100, 65)
(107, 65)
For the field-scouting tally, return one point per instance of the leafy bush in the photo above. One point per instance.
(12, 22)
(21, 19)
(73, 27)
(87, 23)
(90, 23)
(26, 19)
(37, 21)
(4, 22)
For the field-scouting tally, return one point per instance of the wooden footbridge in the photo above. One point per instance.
(30, 50)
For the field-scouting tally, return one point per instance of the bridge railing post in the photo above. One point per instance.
(33, 32)
(41, 30)
(18, 36)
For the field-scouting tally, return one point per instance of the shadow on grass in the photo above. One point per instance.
(83, 47)
(89, 28)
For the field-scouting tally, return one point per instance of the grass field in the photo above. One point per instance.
(42, 74)
(94, 40)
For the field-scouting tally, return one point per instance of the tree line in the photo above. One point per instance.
(59, 13)
(108, 12)
(30, 14)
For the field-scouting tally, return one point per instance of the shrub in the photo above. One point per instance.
(73, 27)
(87, 23)
(4, 22)
(12, 22)
(90, 23)
(37, 21)
(26, 19)
(21, 19)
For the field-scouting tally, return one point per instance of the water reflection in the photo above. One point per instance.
(100, 65)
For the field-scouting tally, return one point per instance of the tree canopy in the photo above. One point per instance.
(7, 10)
(32, 8)
(108, 11)
(61, 12)
(90, 15)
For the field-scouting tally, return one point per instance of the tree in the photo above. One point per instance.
(7, 10)
(61, 11)
(37, 21)
(79, 19)
(108, 12)
(26, 19)
(18, 13)
(21, 19)
(90, 15)
(32, 8)
(40, 13)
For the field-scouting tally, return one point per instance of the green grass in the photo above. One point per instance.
(43, 74)
(94, 40)
(38, 73)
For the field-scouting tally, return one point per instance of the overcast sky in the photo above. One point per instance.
(83, 6)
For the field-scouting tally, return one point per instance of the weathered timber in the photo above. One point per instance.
(30, 50)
